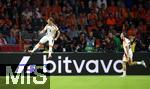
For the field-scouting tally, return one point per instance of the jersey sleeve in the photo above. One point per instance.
(56, 28)
(45, 28)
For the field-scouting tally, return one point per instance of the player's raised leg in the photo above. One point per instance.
(35, 47)
(137, 63)
(42, 41)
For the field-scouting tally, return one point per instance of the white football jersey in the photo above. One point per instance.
(127, 43)
(51, 30)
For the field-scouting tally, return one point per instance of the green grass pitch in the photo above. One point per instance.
(100, 82)
(85, 82)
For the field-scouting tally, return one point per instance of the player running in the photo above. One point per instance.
(51, 30)
(128, 55)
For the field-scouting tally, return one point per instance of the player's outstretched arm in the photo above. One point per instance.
(44, 30)
(58, 34)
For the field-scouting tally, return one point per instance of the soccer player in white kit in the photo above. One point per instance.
(128, 55)
(51, 30)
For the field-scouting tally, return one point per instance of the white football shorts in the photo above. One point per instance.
(130, 55)
(44, 39)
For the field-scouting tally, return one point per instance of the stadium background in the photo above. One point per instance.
(86, 26)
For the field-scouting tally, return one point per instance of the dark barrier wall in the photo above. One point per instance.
(74, 63)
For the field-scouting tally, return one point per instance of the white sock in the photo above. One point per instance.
(35, 48)
(139, 63)
(50, 52)
(124, 72)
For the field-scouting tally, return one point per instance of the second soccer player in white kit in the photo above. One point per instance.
(128, 55)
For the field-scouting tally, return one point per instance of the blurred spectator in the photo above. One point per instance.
(11, 39)
(90, 43)
(108, 43)
(56, 8)
(64, 41)
(112, 9)
(82, 20)
(2, 40)
(92, 16)
(116, 41)
(132, 31)
(27, 13)
(82, 8)
(103, 20)
(149, 48)
(14, 33)
(73, 32)
(111, 21)
(81, 43)
(101, 3)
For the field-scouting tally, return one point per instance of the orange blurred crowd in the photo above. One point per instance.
(85, 25)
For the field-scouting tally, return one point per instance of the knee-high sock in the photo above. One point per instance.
(50, 52)
(139, 63)
(124, 68)
(35, 48)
